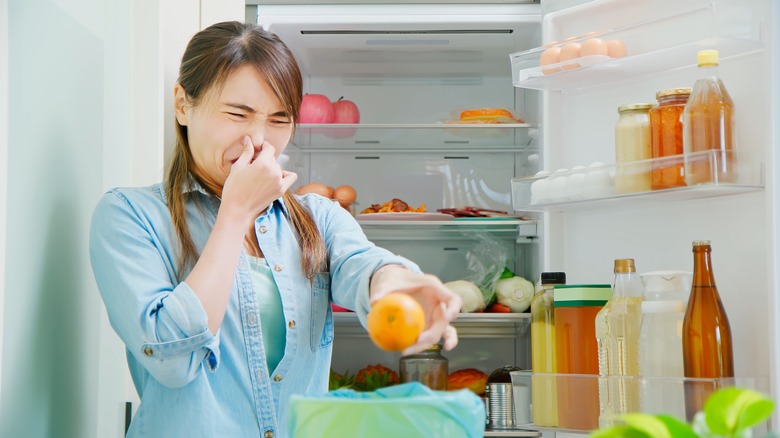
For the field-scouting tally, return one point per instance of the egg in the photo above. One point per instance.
(558, 185)
(318, 188)
(346, 195)
(575, 184)
(616, 49)
(550, 56)
(598, 181)
(540, 188)
(569, 52)
(594, 47)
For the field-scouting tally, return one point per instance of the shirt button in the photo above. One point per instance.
(148, 351)
(259, 376)
(269, 434)
(250, 318)
(278, 268)
(291, 324)
(262, 230)
(278, 378)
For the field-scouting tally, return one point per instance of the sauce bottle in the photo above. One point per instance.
(543, 397)
(617, 335)
(707, 348)
(576, 353)
(632, 148)
(666, 138)
(708, 125)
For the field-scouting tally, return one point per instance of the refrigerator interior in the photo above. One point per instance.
(410, 70)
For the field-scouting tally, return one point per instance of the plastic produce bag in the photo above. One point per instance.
(408, 410)
(485, 263)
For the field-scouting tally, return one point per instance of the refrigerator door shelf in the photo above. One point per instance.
(729, 28)
(595, 186)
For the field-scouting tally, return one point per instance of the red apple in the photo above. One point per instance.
(316, 108)
(345, 112)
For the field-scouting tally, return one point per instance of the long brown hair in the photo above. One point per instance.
(211, 55)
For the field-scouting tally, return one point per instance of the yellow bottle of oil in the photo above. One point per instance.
(543, 391)
(618, 326)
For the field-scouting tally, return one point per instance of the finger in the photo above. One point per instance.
(248, 152)
(288, 179)
(267, 152)
(450, 338)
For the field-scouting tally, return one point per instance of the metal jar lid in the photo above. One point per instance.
(635, 107)
(682, 91)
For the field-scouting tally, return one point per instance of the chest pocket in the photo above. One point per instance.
(321, 313)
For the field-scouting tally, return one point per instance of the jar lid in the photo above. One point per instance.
(634, 107)
(581, 295)
(682, 91)
(553, 278)
(502, 375)
(707, 57)
(434, 347)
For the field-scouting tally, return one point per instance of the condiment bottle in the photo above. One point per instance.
(708, 125)
(632, 148)
(617, 335)
(706, 338)
(428, 367)
(666, 139)
(660, 342)
(576, 352)
(543, 398)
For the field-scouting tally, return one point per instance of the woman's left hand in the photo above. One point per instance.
(441, 306)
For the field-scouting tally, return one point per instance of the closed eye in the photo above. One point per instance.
(237, 115)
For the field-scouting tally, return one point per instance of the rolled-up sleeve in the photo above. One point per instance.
(353, 260)
(161, 321)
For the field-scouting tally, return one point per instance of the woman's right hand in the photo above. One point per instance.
(256, 179)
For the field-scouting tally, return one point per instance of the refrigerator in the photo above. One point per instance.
(412, 68)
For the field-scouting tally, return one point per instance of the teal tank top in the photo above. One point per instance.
(269, 303)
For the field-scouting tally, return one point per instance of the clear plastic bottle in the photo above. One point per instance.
(708, 124)
(543, 392)
(617, 336)
(660, 343)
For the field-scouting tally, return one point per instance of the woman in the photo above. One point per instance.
(219, 281)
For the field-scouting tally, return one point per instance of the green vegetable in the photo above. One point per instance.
(506, 274)
(515, 293)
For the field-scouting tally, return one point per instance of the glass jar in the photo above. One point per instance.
(666, 138)
(632, 148)
(576, 352)
(428, 367)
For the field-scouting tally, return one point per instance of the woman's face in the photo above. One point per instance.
(245, 105)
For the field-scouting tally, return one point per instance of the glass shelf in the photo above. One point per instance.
(445, 230)
(463, 318)
(577, 395)
(416, 137)
(731, 29)
(595, 186)
(469, 325)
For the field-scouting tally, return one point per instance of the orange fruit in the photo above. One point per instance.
(395, 322)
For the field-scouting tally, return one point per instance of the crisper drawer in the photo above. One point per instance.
(437, 180)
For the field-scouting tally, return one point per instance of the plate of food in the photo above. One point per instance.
(404, 216)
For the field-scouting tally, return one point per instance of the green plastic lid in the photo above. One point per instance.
(581, 295)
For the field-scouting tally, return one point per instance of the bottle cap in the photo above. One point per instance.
(701, 242)
(553, 278)
(634, 107)
(707, 57)
(681, 91)
(624, 265)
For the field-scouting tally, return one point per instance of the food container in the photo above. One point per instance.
(500, 400)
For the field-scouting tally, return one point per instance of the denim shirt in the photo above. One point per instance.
(195, 384)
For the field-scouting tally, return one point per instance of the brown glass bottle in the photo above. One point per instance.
(707, 348)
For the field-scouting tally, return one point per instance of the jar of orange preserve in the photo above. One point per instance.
(666, 132)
